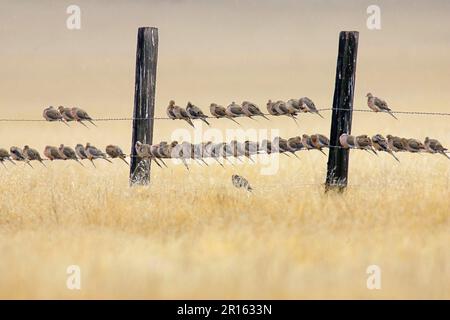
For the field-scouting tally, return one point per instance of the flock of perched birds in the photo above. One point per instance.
(67, 115)
(198, 152)
(62, 152)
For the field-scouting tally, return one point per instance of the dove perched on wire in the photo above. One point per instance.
(80, 115)
(67, 153)
(395, 143)
(363, 142)
(378, 105)
(195, 112)
(347, 141)
(295, 143)
(179, 113)
(293, 106)
(52, 153)
(218, 111)
(241, 182)
(51, 114)
(66, 113)
(319, 141)
(234, 110)
(94, 153)
(116, 152)
(380, 144)
(5, 156)
(413, 145)
(32, 154)
(308, 105)
(251, 110)
(434, 146)
(17, 155)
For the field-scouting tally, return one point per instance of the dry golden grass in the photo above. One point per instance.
(192, 235)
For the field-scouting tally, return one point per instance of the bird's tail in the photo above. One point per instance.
(65, 122)
(80, 162)
(205, 121)
(12, 162)
(28, 163)
(3, 163)
(393, 115)
(123, 159)
(445, 155)
(392, 154)
(322, 152)
(154, 159)
(42, 162)
(317, 112)
(107, 159)
(92, 122)
(83, 124)
(234, 120)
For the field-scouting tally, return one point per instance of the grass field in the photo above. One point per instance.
(192, 235)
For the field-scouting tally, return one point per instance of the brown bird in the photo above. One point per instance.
(81, 153)
(17, 155)
(32, 154)
(271, 108)
(363, 142)
(234, 110)
(307, 143)
(94, 153)
(295, 143)
(66, 113)
(381, 144)
(80, 115)
(347, 141)
(52, 153)
(195, 112)
(169, 110)
(67, 153)
(281, 145)
(143, 151)
(378, 105)
(220, 112)
(115, 152)
(282, 109)
(413, 145)
(434, 146)
(308, 105)
(319, 141)
(4, 155)
(51, 114)
(180, 113)
(251, 110)
(395, 143)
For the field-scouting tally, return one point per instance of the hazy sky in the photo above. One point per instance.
(220, 51)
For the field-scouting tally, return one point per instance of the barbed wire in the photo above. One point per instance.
(421, 113)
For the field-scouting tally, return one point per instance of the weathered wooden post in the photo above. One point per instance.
(144, 101)
(341, 121)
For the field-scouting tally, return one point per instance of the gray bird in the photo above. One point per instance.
(363, 142)
(80, 115)
(378, 105)
(413, 145)
(81, 153)
(308, 105)
(143, 151)
(195, 112)
(250, 110)
(307, 143)
(347, 141)
(4, 155)
(220, 112)
(94, 153)
(241, 182)
(319, 141)
(67, 153)
(66, 113)
(116, 152)
(295, 143)
(180, 113)
(293, 106)
(434, 146)
(17, 155)
(282, 109)
(281, 146)
(271, 108)
(32, 154)
(169, 110)
(234, 110)
(52, 153)
(381, 144)
(51, 114)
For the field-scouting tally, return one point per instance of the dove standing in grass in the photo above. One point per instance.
(17, 155)
(308, 105)
(4, 156)
(395, 143)
(434, 146)
(32, 154)
(195, 112)
(51, 114)
(67, 153)
(115, 152)
(381, 144)
(241, 182)
(251, 110)
(52, 153)
(378, 105)
(80, 115)
(94, 153)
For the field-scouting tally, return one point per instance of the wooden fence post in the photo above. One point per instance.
(144, 101)
(341, 121)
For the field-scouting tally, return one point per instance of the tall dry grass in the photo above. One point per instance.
(192, 235)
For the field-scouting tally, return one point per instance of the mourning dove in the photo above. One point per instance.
(220, 112)
(52, 153)
(17, 155)
(266, 146)
(143, 151)
(308, 105)
(395, 143)
(250, 148)
(116, 152)
(282, 109)
(378, 105)
(169, 110)
(250, 110)
(271, 108)
(4, 155)
(413, 145)
(210, 151)
(295, 143)
(51, 114)
(293, 106)
(434, 146)
(195, 112)
(347, 141)
(363, 142)
(80, 115)
(67, 153)
(307, 143)
(94, 153)
(319, 141)
(279, 144)
(234, 110)
(381, 144)
(180, 113)
(241, 182)
(66, 113)
(32, 154)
